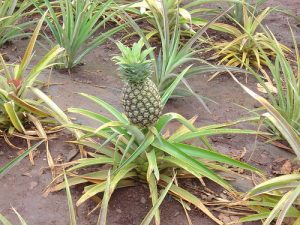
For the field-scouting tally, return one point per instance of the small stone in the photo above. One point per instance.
(59, 158)
(27, 174)
(235, 219)
(214, 139)
(119, 211)
(1, 153)
(203, 196)
(143, 200)
(72, 153)
(176, 214)
(6, 58)
(210, 197)
(224, 218)
(228, 136)
(33, 184)
(286, 168)
(223, 196)
(256, 105)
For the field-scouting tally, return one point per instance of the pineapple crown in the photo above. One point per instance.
(133, 63)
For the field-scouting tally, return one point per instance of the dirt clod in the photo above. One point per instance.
(143, 200)
(33, 184)
(286, 168)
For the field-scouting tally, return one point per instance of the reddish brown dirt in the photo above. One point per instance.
(22, 187)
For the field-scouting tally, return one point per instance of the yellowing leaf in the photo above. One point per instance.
(269, 86)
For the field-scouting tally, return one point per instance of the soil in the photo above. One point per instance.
(22, 188)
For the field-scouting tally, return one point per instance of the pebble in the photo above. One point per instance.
(256, 105)
(176, 214)
(228, 136)
(72, 154)
(33, 184)
(26, 174)
(143, 200)
(223, 196)
(119, 211)
(235, 218)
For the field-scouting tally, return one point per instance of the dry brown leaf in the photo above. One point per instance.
(229, 219)
(286, 168)
(224, 218)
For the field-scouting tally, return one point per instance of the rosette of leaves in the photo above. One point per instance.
(244, 49)
(16, 81)
(11, 14)
(75, 26)
(152, 155)
(282, 85)
(276, 199)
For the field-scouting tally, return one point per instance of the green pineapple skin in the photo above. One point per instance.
(141, 98)
(141, 102)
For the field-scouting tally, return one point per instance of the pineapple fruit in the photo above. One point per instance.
(141, 99)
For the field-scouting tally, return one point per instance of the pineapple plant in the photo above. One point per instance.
(153, 156)
(141, 98)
